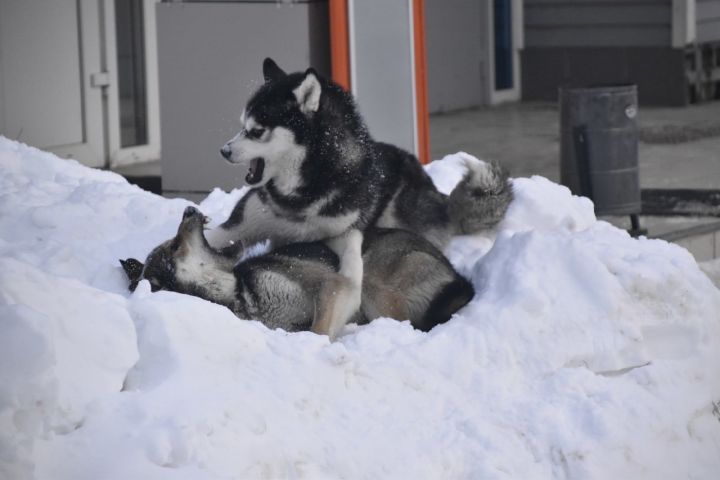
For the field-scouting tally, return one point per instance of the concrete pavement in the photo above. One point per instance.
(680, 147)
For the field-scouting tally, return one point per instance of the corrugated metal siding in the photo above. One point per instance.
(707, 14)
(598, 23)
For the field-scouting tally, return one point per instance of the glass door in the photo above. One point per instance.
(133, 115)
(502, 27)
(505, 35)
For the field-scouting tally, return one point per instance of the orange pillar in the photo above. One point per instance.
(423, 122)
(340, 43)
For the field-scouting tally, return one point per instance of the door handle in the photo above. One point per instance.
(100, 79)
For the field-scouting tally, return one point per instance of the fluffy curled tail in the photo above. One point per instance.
(482, 197)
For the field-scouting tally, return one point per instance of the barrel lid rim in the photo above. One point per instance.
(610, 88)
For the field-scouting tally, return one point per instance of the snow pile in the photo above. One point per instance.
(585, 354)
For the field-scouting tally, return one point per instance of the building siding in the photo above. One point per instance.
(598, 23)
(456, 33)
(707, 15)
(657, 71)
(209, 63)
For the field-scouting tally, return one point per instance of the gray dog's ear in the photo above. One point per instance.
(271, 71)
(133, 269)
(308, 92)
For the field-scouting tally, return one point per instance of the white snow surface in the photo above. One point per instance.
(584, 354)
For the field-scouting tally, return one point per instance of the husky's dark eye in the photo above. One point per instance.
(255, 133)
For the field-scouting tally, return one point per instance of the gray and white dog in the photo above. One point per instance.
(299, 286)
(316, 173)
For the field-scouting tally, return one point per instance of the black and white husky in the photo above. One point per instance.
(316, 173)
(300, 286)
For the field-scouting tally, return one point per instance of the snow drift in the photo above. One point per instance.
(585, 353)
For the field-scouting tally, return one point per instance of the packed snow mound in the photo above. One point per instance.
(585, 353)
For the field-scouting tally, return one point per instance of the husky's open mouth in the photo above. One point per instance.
(255, 172)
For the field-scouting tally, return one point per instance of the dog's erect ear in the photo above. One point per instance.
(133, 268)
(308, 92)
(271, 71)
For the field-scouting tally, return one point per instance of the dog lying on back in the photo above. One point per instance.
(296, 286)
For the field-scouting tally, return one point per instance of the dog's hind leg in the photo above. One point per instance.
(383, 300)
(340, 296)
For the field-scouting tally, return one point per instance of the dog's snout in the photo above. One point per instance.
(226, 151)
(190, 211)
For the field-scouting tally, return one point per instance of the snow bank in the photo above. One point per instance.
(585, 354)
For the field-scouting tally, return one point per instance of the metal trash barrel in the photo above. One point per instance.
(599, 147)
